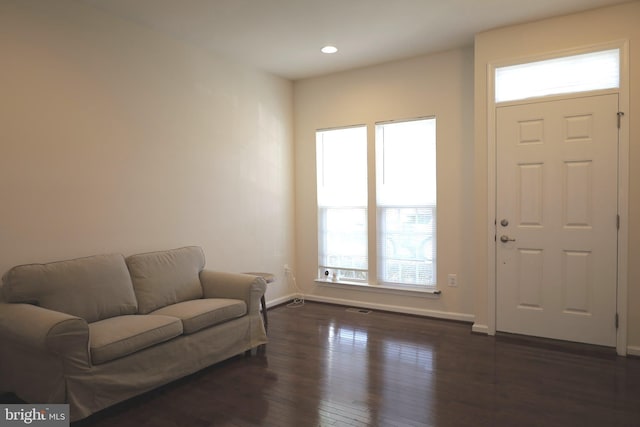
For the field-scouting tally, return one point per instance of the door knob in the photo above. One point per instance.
(504, 239)
(504, 222)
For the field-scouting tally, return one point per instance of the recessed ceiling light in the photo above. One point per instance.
(329, 49)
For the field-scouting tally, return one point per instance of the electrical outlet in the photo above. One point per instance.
(452, 280)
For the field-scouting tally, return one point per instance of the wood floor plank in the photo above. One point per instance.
(326, 366)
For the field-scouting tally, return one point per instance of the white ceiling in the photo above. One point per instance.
(284, 37)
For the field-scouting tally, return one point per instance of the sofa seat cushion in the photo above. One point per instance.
(119, 336)
(202, 313)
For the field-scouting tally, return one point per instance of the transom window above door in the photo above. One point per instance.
(568, 74)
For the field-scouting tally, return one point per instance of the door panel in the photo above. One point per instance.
(556, 249)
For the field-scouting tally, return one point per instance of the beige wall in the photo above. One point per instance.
(567, 32)
(440, 85)
(115, 138)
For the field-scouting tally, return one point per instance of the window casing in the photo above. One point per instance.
(404, 185)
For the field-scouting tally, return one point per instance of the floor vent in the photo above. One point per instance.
(358, 310)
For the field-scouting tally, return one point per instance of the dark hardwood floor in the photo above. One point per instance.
(327, 366)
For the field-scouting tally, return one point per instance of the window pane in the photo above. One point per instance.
(406, 163)
(407, 252)
(344, 248)
(341, 160)
(406, 199)
(569, 74)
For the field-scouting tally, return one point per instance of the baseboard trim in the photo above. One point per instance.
(633, 351)
(480, 329)
(461, 317)
(282, 300)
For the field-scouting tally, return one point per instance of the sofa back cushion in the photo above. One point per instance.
(166, 277)
(93, 288)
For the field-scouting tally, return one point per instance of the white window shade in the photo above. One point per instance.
(341, 161)
(406, 163)
(569, 74)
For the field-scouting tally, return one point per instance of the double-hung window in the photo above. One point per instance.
(403, 185)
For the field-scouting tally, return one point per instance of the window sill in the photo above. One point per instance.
(387, 289)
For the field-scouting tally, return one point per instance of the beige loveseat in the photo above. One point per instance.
(95, 331)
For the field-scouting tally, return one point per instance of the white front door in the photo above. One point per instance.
(556, 225)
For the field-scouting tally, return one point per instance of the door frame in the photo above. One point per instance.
(623, 177)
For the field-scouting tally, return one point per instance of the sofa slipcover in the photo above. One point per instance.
(83, 332)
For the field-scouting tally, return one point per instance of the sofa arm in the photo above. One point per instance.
(45, 330)
(248, 288)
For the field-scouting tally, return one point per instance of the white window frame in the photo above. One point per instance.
(325, 275)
